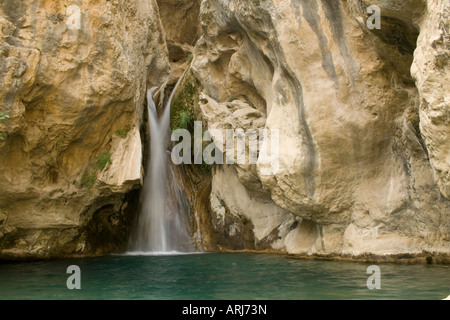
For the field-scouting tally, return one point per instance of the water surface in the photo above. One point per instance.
(219, 276)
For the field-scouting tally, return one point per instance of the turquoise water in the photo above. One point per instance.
(219, 276)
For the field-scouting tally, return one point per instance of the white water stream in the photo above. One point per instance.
(164, 214)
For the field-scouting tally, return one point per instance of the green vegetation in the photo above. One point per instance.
(206, 168)
(253, 106)
(182, 116)
(90, 175)
(103, 160)
(190, 58)
(183, 120)
(3, 116)
(88, 179)
(232, 99)
(122, 132)
(190, 90)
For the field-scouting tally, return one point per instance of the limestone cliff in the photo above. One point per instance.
(73, 80)
(362, 116)
(364, 153)
(181, 26)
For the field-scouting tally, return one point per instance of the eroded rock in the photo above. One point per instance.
(353, 163)
(73, 81)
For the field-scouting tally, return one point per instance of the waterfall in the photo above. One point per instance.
(163, 217)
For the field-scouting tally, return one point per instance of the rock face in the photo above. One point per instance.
(363, 151)
(362, 116)
(73, 81)
(431, 69)
(181, 25)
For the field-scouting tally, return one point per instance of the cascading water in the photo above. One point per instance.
(163, 218)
